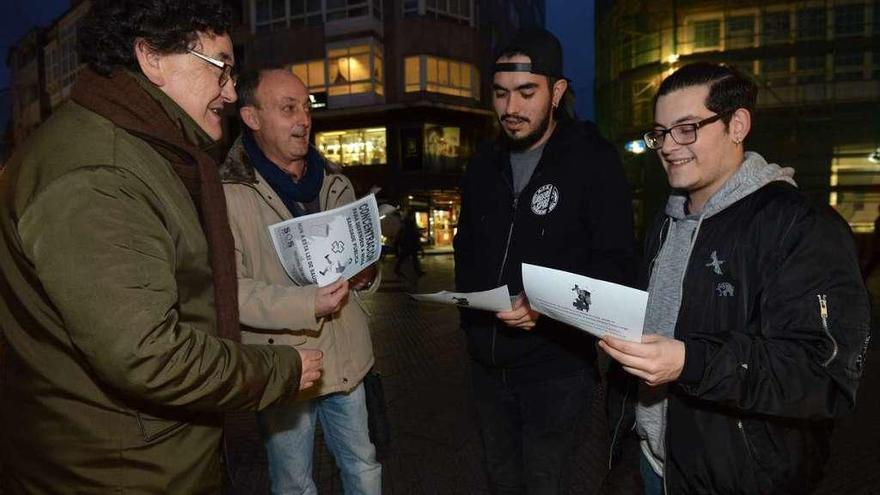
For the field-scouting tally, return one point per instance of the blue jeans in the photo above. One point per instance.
(289, 435)
(528, 429)
(652, 481)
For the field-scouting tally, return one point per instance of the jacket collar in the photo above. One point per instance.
(238, 168)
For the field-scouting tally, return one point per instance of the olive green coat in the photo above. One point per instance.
(113, 374)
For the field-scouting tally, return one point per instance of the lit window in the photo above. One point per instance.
(354, 146)
(441, 76)
(412, 74)
(311, 74)
(854, 182)
(349, 70)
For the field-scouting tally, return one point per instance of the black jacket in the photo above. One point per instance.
(766, 369)
(575, 215)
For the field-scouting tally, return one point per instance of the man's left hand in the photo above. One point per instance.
(656, 359)
(521, 316)
(364, 278)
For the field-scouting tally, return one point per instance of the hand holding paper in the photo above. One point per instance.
(656, 359)
(521, 316)
(595, 306)
(497, 299)
(329, 299)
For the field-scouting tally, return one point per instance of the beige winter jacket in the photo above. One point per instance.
(270, 301)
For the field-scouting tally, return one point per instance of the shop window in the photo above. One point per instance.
(855, 180)
(740, 31)
(849, 20)
(776, 27)
(353, 147)
(441, 76)
(707, 34)
(442, 148)
(811, 23)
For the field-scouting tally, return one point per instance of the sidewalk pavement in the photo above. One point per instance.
(421, 354)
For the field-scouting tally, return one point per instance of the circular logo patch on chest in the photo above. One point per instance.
(545, 199)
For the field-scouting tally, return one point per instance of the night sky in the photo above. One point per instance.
(570, 20)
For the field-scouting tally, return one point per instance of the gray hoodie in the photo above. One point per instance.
(668, 270)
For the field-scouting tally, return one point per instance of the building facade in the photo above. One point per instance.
(400, 87)
(816, 62)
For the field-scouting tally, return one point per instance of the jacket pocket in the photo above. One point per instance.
(153, 428)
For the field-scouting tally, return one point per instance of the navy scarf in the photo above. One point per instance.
(291, 193)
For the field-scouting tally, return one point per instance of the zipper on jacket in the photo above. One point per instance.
(749, 448)
(823, 314)
(501, 271)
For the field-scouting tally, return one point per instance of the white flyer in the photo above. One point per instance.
(497, 299)
(323, 247)
(598, 307)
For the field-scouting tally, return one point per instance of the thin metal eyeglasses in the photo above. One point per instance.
(682, 133)
(225, 69)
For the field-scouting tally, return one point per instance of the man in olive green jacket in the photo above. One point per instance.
(270, 175)
(112, 257)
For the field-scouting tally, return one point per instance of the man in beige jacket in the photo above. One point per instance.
(272, 174)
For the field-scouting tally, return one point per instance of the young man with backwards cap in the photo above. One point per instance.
(552, 192)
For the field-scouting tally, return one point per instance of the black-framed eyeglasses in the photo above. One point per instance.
(682, 133)
(226, 73)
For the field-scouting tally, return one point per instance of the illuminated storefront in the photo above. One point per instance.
(436, 215)
(855, 185)
(354, 147)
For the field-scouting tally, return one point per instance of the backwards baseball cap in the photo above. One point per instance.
(542, 48)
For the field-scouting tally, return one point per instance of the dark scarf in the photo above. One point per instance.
(291, 193)
(126, 102)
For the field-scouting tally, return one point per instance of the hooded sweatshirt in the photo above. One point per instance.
(668, 270)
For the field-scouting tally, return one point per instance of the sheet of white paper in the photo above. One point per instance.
(323, 247)
(595, 306)
(497, 299)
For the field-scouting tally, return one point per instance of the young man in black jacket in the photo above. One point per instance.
(551, 192)
(757, 321)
